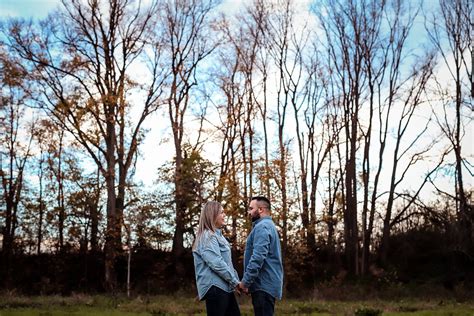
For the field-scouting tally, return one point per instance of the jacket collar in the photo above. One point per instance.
(260, 220)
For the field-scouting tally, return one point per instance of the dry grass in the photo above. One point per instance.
(80, 304)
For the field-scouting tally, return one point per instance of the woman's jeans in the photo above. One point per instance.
(263, 303)
(220, 303)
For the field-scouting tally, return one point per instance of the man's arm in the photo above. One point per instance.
(261, 247)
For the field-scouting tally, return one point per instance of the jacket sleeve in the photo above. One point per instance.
(211, 255)
(261, 247)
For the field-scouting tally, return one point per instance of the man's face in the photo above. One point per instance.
(254, 211)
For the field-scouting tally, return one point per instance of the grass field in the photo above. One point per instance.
(12, 305)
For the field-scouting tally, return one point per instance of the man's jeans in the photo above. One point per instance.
(220, 302)
(263, 303)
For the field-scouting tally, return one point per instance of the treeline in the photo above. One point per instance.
(353, 117)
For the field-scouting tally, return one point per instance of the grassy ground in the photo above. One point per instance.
(12, 305)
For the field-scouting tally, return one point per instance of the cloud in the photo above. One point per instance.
(27, 8)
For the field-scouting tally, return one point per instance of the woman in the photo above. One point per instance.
(216, 278)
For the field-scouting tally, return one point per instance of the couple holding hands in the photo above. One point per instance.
(216, 278)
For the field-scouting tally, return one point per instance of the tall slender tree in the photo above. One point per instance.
(450, 30)
(187, 27)
(16, 141)
(345, 33)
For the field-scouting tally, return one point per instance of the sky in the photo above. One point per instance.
(27, 8)
(40, 8)
(154, 142)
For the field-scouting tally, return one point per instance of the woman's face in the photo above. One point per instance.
(220, 220)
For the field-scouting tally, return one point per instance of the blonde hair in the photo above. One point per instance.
(207, 221)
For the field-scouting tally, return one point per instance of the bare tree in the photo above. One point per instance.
(83, 55)
(50, 139)
(187, 26)
(16, 140)
(230, 117)
(404, 146)
(288, 74)
(384, 65)
(450, 30)
(259, 13)
(374, 64)
(373, 93)
(41, 138)
(314, 137)
(345, 33)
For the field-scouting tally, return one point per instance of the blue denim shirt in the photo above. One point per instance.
(263, 267)
(213, 264)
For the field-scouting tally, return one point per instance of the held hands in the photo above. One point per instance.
(237, 290)
(242, 289)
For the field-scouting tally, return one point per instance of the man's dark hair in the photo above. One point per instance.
(262, 201)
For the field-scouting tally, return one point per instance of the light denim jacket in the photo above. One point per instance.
(263, 267)
(213, 264)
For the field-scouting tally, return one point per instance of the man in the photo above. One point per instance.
(263, 268)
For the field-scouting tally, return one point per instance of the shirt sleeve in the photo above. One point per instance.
(211, 255)
(261, 247)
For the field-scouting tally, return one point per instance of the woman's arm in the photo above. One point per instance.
(211, 254)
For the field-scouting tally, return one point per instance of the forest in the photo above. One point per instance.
(354, 117)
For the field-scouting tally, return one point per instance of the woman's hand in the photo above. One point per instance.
(237, 290)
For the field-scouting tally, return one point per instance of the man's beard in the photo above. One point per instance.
(256, 217)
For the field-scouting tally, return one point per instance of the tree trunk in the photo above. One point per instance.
(284, 201)
(178, 246)
(350, 215)
(60, 197)
(113, 238)
(41, 205)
